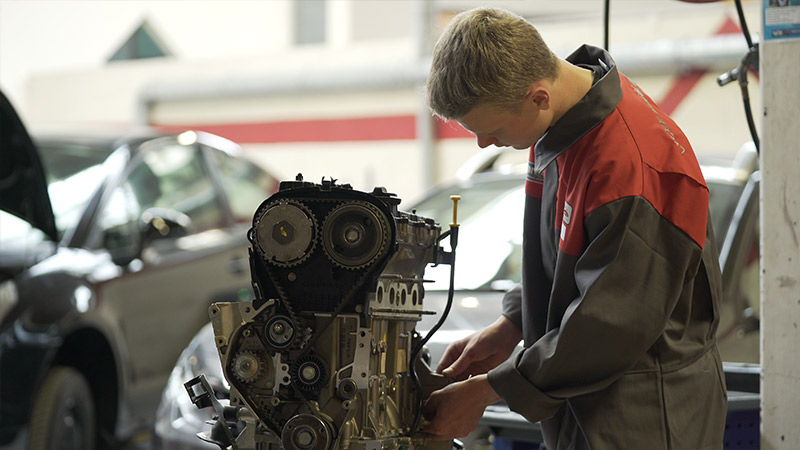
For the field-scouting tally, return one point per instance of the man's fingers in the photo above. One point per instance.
(449, 372)
(456, 370)
(440, 437)
(452, 353)
(429, 408)
(430, 426)
(433, 429)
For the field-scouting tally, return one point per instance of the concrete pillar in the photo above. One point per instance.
(780, 242)
(425, 123)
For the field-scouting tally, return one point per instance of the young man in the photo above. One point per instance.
(618, 306)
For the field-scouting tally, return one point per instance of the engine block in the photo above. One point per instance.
(322, 358)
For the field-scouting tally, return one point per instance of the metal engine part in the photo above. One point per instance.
(320, 360)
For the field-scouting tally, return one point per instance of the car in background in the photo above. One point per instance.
(112, 247)
(488, 263)
(488, 260)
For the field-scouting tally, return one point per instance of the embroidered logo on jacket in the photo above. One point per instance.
(566, 219)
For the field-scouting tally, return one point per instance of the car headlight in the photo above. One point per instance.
(9, 297)
(177, 415)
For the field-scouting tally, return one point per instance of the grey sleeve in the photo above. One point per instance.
(628, 280)
(512, 306)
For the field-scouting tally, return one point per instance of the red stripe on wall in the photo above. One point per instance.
(325, 130)
(729, 27)
(680, 89)
(684, 84)
(316, 130)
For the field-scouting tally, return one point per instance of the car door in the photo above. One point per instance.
(161, 298)
(23, 188)
(739, 257)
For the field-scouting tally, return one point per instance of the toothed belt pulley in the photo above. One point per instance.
(309, 372)
(355, 235)
(247, 366)
(285, 233)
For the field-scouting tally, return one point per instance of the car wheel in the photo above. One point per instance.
(63, 413)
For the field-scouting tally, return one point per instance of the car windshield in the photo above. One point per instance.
(73, 172)
(490, 238)
(722, 202)
(489, 253)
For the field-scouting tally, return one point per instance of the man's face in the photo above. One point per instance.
(504, 128)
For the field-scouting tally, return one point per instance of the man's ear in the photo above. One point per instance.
(539, 95)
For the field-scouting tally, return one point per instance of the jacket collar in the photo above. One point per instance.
(604, 95)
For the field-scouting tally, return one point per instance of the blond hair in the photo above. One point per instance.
(486, 56)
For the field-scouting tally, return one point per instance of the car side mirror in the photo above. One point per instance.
(122, 243)
(162, 223)
(750, 321)
(154, 224)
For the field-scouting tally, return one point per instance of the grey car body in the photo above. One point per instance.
(490, 244)
(492, 266)
(111, 249)
(488, 263)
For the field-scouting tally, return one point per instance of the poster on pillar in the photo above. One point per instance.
(781, 19)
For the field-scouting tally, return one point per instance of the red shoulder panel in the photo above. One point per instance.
(636, 151)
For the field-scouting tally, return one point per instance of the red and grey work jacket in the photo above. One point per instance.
(621, 282)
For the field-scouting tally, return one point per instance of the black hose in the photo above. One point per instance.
(605, 23)
(739, 73)
(743, 24)
(748, 112)
(418, 348)
(750, 60)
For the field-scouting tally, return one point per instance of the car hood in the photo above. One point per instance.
(471, 311)
(23, 188)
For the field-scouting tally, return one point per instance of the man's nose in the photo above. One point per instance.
(485, 141)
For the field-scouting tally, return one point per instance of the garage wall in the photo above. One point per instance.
(222, 49)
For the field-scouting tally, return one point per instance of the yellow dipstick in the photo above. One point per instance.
(455, 199)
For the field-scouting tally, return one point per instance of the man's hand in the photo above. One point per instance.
(481, 351)
(454, 411)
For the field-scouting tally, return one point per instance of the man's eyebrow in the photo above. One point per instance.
(477, 132)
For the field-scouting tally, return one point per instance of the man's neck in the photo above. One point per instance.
(571, 84)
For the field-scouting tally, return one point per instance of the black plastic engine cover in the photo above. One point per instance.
(318, 248)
